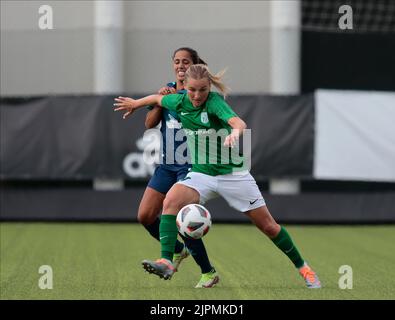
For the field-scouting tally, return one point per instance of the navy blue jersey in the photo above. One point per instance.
(173, 137)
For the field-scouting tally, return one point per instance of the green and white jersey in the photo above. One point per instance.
(206, 128)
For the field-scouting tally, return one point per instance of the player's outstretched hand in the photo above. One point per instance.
(230, 140)
(125, 103)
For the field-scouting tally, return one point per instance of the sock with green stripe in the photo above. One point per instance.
(284, 242)
(168, 235)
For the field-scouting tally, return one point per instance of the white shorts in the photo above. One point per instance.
(239, 190)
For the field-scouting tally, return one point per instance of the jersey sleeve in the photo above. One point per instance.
(221, 109)
(172, 101)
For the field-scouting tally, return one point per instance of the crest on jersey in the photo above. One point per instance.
(204, 117)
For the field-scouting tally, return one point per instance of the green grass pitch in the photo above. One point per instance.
(103, 261)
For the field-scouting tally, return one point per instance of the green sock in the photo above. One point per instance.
(168, 235)
(284, 242)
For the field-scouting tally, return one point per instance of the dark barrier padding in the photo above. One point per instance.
(89, 205)
(348, 60)
(65, 137)
(282, 134)
(81, 137)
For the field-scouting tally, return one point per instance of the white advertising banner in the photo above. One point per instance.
(354, 135)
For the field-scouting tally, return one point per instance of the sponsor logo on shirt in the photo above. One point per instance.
(199, 132)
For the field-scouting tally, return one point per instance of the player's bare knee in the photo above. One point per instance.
(172, 203)
(142, 219)
(271, 229)
(146, 218)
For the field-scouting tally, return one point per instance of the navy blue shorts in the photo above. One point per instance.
(163, 178)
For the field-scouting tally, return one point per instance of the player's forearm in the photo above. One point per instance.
(237, 125)
(153, 117)
(154, 99)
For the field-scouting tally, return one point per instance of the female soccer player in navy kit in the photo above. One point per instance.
(205, 113)
(170, 172)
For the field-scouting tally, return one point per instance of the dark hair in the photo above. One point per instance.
(194, 55)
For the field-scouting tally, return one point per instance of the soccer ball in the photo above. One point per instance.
(193, 221)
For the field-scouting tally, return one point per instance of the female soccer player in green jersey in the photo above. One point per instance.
(169, 171)
(215, 170)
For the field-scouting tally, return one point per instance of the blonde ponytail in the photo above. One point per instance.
(201, 71)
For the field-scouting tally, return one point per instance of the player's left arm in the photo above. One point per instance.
(238, 126)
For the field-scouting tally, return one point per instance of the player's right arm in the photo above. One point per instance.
(153, 117)
(171, 101)
(130, 105)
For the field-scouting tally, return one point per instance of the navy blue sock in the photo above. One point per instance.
(198, 252)
(153, 229)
